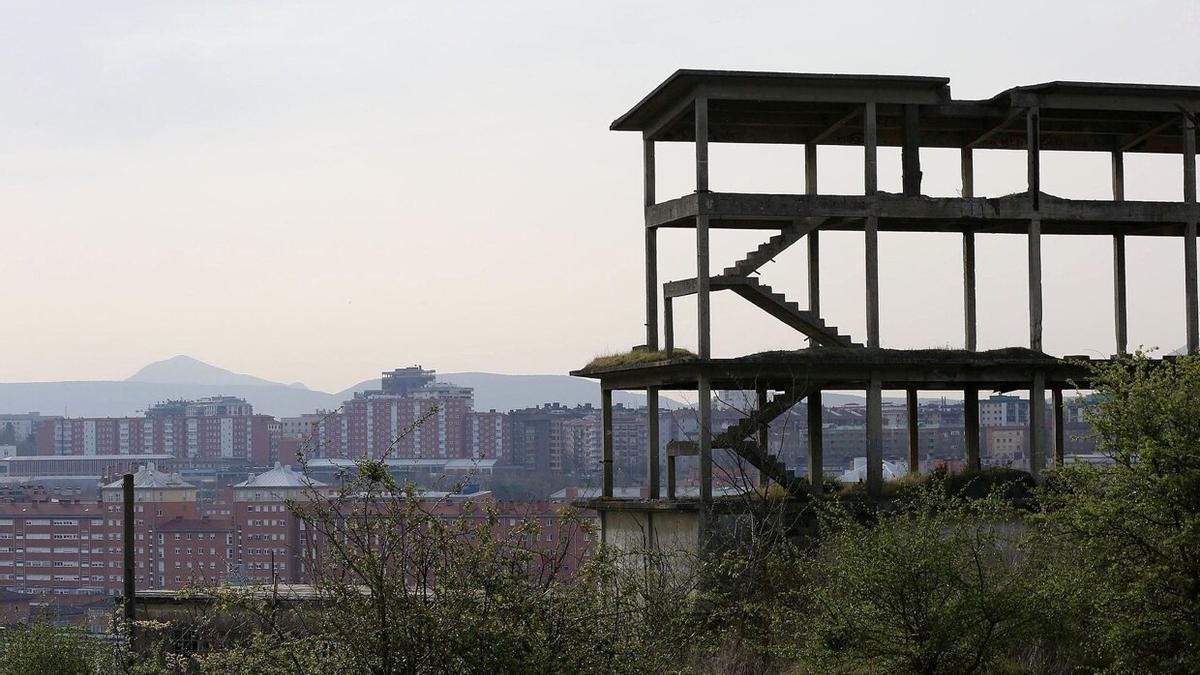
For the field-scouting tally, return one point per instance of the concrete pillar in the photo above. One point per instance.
(651, 248)
(652, 442)
(967, 165)
(911, 151)
(810, 169)
(606, 427)
(1189, 236)
(871, 183)
(704, 394)
(670, 477)
(763, 435)
(1035, 284)
(914, 433)
(870, 144)
(1037, 424)
(1060, 436)
(872, 274)
(1120, 311)
(874, 436)
(704, 325)
(816, 460)
(668, 327)
(1033, 155)
(970, 334)
(971, 427)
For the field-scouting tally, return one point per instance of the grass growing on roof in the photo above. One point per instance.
(635, 357)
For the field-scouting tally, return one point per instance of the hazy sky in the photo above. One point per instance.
(320, 191)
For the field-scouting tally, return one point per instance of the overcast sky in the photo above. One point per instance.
(320, 191)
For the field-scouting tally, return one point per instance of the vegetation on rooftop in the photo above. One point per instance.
(638, 356)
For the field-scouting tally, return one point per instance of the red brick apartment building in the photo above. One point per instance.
(70, 552)
(217, 428)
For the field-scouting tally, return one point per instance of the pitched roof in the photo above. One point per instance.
(280, 477)
(149, 477)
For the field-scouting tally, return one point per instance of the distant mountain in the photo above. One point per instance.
(119, 399)
(186, 377)
(186, 370)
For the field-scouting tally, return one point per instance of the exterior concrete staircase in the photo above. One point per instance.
(737, 278)
(737, 438)
(767, 251)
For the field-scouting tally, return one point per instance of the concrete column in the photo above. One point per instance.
(651, 248)
(652, 442)
(870, 144)
(911, 151)
(872, 272)
(1033, 166)
(1060, 436)
(668, 327)
(814, 272)
(816, 461)
(970, 339)
(763, 435)
(970, 330)
(704, 394)
(701, 108)
(702, 270)
(1189, 236)
(1033, 155)
(1037, 424)
(1120, 311)
(914, 433)
(810, 169)
(966, 159)
(871, 182)
(874, 436)
(670, 477)
(703, 321)
(606, 425)
(1189, 270)
(971, 427)
(1035, 284)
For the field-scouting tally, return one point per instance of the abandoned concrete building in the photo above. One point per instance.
(867, 111)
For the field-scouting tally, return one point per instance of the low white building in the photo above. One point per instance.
(857, 473)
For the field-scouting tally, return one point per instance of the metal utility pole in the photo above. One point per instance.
(127, 489)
